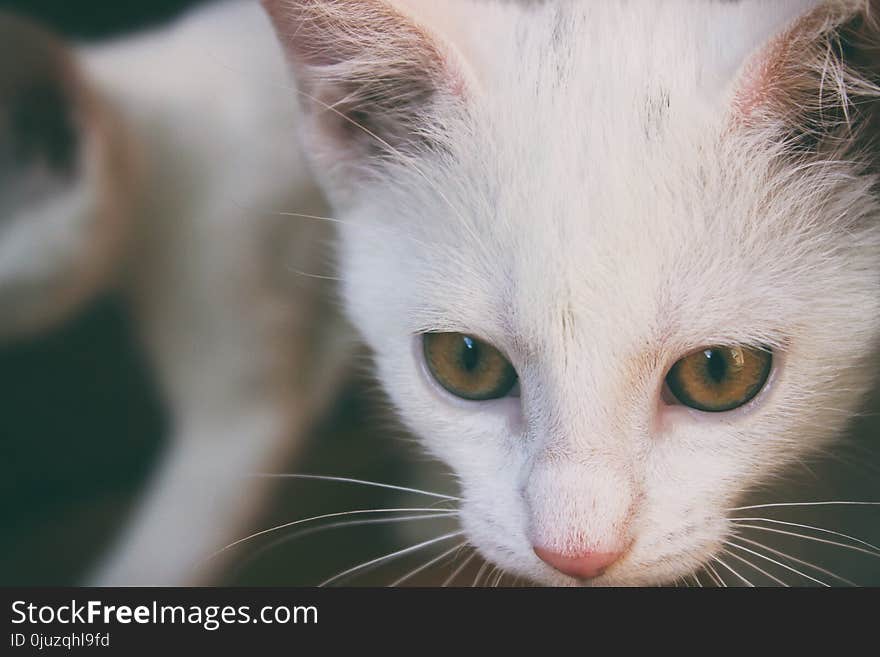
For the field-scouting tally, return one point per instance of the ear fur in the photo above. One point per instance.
(372, 78)
(819, 82)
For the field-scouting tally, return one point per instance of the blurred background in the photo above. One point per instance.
(81, 427)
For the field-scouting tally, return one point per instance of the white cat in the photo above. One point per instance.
(619, 263)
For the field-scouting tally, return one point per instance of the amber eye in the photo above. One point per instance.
(468, 367)
(718, 379)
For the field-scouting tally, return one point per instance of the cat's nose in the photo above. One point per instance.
(583, 566)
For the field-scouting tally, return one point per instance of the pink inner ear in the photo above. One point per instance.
(773, 77)
(372, 78)
(762, 84)
(755, 89)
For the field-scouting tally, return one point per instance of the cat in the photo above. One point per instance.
(617, 263)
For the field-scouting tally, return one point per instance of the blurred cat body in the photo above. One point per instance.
(186, 159)
(596, 189)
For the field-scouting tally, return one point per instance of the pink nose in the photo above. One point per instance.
(582, 566)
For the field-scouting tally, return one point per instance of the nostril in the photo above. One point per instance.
(583, 566)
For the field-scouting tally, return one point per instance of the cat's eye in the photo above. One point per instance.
(468, 367)
(718, 379)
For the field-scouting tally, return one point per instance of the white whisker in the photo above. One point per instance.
(362, 482)
(388, 557)
(459, 570)
(774, 561)
(714, 573)
(818, 529)
(480, 572)
(810, 538)
(754, 567)
(319, 277)
(342, 222)
(341, 525)
(324, 517)
(427, 565)
(786, 504)
(809, 564)
(747, 582)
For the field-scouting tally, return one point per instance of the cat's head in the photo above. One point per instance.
(618, 262)
(68, 173)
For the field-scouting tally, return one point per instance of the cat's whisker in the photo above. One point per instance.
(774, 561)
(697, 580)
(324, 516)
(341, 525)
(480, 572)
(719, 581)
(795, 504)
(721, 561)
(343, 222)
(361, 482)
(319, 277)
(449, 580)
(807, 537)
(757, 568)
(425, 566)
(814, 528)
(388, 557)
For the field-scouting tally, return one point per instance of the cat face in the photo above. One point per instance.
(561, 228)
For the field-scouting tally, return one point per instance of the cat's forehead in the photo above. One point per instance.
(599, 190)
(604, 62)
(670, 245)
(655, 256)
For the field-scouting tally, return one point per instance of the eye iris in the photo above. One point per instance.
(720, 379)
(468, 367)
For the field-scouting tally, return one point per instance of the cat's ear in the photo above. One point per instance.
(818, 81)
(67, 181)
(373, 78)
(750, 26)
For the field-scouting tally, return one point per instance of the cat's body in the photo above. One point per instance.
(217, 281)
(596, 189)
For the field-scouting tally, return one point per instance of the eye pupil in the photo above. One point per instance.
(470, 357)
(716, 365)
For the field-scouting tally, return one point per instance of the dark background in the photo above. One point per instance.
(93, 19)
